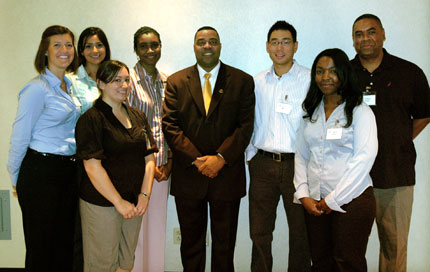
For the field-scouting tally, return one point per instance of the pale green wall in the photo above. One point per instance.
(242, 26)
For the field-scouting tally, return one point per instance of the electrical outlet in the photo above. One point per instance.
(176, 236)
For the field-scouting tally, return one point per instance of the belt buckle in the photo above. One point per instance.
(277, 157)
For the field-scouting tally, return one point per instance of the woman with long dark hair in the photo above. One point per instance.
(93, 49)
(41, 159)
(336, 148)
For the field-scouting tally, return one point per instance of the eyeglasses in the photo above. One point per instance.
(283, 43)
(146, 46)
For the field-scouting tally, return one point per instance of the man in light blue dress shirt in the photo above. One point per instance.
(280, 91)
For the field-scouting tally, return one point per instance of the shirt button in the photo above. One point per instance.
(371, 83)
(371, 75)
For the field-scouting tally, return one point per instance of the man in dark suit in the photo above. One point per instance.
(208, 122)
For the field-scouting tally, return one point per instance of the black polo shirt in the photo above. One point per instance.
(402, 94)
(100, 135)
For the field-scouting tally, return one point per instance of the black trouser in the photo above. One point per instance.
(339, 240)
(193, 220)
(269, 181)
(47, 195)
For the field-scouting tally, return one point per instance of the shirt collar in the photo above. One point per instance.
(141, 72)
(53, 80)
(270, 73)
(107, 110)
(387, 61)
(213, 72)
(103, 106)
(83, 75)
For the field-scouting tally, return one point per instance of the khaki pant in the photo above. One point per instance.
(109, 240)
(393, 218)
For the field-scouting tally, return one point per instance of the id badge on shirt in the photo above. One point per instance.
(334, 134)
(283, 108)
(370, 99)
(369, 96)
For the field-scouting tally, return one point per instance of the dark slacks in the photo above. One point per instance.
(193, 218)
(339, 240)
(47, 195)
(269, 181)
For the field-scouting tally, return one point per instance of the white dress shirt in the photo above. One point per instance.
(275, 129)
(336, 169)
(212, 79)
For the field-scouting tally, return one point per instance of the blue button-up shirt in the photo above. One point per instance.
(335, 169)
(45, 121)
(275, 131)
(84, 88)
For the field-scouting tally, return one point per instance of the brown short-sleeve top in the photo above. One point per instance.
(100, 135)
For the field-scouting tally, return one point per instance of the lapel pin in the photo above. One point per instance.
(221, 91)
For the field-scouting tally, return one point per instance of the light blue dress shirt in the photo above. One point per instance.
(276, 131)
(84, 88)
(335, 169)
(45, 121)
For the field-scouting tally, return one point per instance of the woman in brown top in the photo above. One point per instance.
(116, 146)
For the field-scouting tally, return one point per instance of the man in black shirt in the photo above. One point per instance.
(399, 94)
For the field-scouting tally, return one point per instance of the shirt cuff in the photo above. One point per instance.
(250, 152)
(331, 203)
(301, 192)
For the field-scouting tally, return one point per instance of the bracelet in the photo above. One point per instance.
(145, 195)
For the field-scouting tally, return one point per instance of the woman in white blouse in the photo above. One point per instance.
(336, 147)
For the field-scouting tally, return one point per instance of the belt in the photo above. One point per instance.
(54, 156)
(276, 156)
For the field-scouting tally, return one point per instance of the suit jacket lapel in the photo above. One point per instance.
(219, 88)
(195, 89)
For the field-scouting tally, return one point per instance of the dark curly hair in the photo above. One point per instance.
(349, 89)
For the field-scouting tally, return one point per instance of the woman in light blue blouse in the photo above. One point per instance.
(336, 148)
(93, 49)
(41, 159)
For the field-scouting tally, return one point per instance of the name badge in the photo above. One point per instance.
(334, 134)
(370, 99)
(283, 108)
